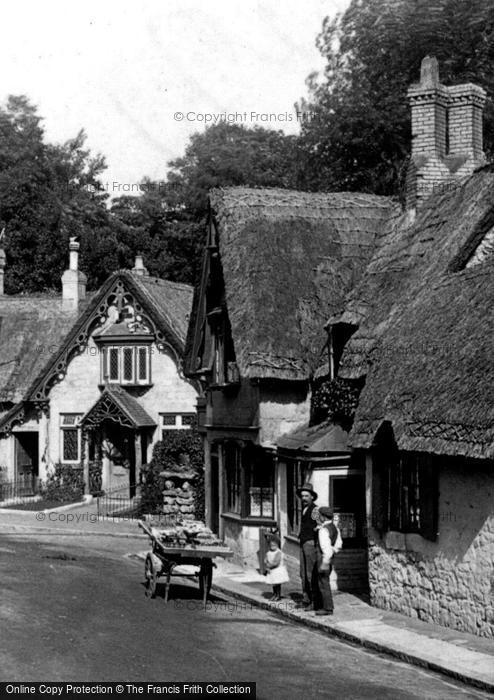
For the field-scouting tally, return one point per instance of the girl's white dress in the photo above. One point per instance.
(279, 574)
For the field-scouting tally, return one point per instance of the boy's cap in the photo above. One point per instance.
(326, 513)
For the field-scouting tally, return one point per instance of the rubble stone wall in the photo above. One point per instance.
(179, 498)
(449, 581)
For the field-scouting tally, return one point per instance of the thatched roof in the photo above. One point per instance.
(34, 330)
(31, 329)
(426, 327)
(288, 259)
(172, 302)
(317, 440)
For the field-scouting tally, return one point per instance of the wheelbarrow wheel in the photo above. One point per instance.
(151, 576)
(205, 579)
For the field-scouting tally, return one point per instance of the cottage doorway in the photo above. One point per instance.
(26, 460)
(347, 500)
(119, 449)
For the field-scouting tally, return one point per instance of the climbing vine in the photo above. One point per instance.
(178, 451)
(336, 400)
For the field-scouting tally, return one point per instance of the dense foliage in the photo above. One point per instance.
(373, 52)
(64, 483)
(178, 451)
(335, 400)
(359, 140)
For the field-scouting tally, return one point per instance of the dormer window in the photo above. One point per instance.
(484, 250)
(126, 364)
(338, 336)
(125, 347)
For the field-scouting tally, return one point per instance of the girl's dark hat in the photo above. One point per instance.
(307, 487)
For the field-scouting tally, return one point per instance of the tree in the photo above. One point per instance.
(228, 155)
(49, 193)
(361, 136)
(165, 222)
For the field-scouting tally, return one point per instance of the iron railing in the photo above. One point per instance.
(118, 503)
(22, 490)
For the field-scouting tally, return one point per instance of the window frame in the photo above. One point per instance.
(122, 350)
(243, 470)
(412, 495)
(70, 427)
(232, 505)
(178, 423)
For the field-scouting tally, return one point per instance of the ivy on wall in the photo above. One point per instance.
(64, 483)
(178, 451)
(336, 400)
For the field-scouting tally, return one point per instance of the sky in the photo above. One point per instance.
(141, 77)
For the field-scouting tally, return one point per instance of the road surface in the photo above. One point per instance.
(73, 609)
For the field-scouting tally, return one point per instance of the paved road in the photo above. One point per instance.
(74, 609)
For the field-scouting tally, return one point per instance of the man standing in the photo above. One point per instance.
(308, 552)
(328, 543)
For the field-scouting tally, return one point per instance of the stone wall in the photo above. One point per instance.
(243, 540)
(179, 497)
(449, 581)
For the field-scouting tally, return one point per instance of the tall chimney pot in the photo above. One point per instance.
(73, 280)
(139, 268)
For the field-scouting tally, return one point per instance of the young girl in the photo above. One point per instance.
(276, 570)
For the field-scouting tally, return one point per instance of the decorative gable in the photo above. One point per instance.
(121, 307)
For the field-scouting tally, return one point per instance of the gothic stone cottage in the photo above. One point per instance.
(92, 377)
(276, 263)
(421, 318)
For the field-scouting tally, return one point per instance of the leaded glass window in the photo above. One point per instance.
(114, 364)
(143, 364)
(128, 365)
(70, 437)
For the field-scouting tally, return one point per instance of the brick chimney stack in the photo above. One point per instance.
(466, 105)
(428, 101)
(446, 133)
(73, 280)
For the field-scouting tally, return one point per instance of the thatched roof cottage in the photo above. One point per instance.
(276, 263)
(420, 346)
(398, 438)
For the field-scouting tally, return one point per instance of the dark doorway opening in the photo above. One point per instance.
(27, 460)
(347, 500)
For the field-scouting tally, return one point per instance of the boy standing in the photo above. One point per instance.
(328, 543)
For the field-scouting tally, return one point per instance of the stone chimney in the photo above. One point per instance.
(466, 105)
(139, 268)
(73, 281)
(446, 133)
(428, 102)
(2, 271)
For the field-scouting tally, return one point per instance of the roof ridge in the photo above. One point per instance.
(156, 280)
